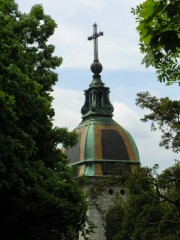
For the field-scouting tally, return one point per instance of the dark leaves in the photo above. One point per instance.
(165, 115)
(38, 197)
(159, 36)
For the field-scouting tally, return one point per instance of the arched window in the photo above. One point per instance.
(101, 103)
(90, 99)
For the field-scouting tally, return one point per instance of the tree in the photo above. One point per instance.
(165, 114)
(114, 218)
(159, 36)
(151, 209)
(159, 32)
(38, 197)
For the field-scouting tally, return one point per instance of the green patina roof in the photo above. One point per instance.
(90, 135)
(102, 142)
(95, 153)
(97, 101)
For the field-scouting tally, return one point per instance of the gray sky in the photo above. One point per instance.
(122, 69)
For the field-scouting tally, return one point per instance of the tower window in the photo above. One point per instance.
(90, 98)
(122, 191)
(111, 191)
(101, 99)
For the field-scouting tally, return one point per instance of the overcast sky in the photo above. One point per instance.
(122, 69)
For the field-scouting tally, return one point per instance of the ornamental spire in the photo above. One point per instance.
(96, 66)
(95, 38)
(97, 103)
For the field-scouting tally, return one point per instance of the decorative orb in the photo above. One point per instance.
(96, 67)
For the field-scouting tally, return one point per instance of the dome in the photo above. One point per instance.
(102, 144)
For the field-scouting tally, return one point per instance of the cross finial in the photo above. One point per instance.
(95, 38)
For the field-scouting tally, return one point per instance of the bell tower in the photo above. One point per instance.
(102, 142)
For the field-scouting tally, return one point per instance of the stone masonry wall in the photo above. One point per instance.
(105, 202)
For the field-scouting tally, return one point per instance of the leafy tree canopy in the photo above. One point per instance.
(164, 114)
(151, 208)
(38, 196)
(159, 32)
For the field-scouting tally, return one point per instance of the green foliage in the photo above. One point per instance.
(151, 208)
(38, 197)
(114, 218)
(159, 32)
(164, 114)
(159, 36)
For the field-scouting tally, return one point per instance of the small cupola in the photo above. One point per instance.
(97, 101)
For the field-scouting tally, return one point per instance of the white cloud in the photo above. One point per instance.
(67, 104)
(94, 4)
(130, 120)
(119, 46)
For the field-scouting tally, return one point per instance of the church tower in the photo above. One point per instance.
(102, 142)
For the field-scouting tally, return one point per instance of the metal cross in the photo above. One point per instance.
(95, 38)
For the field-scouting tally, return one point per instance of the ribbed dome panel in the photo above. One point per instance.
(102, 144)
